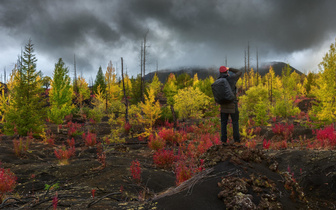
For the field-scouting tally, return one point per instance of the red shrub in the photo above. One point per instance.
(201, 166)
(216, 139)
(190, 129)
(266, 144)
(127, 127)
(251, 144)
(280, 145)
(7, 182)
(205, 143)
(181, 136)
(141, 138)
(202, 144)
(90, 139)
(183, 172)
(312, 145)
(164, 158)
(93, 191)
(71, 142)
(286, 130)
(135, 170)
(73, 128)
(169, 125)
(55, 201)
(168, 135)
(156, 143)
(64, 154)
(257, 130)
(50, 141)
(326, 136)
(192, 149)
(283, 144)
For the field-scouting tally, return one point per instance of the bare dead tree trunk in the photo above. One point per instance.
(271, 89)
(123, 82)
(75, 74)
(126, 86)
(245, 74)
(5, 78)
(144, 63)
(257, 68)
(141, 80)
(108, 83)
(248, 63)
(174, 115)
(107, 95)
(157, 67)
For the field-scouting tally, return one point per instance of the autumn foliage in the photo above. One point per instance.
(177, 144)
(7, 182)
(326, 137)
(135, 170)
(64, 154)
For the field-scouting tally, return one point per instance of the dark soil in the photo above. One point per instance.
(287, 179)
(236, 167)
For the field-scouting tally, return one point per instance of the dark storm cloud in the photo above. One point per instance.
(59, 27)
(185, 30)
(284, 25)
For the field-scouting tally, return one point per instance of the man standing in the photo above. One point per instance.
(230, 108)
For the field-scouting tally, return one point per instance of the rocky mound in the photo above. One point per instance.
(239, 178)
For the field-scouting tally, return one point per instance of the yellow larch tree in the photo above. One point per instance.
(325, 88)
(151, 110)
(83, 92)
(113, 91)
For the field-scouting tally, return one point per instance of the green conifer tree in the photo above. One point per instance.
(184, 80)
(25, 109)
(309, 82)
(100, 81)
(60, 96)
(136, 90)
(170, 88)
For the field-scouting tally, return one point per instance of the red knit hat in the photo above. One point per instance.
(222, 69)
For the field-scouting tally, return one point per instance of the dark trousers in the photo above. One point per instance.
(235, 126)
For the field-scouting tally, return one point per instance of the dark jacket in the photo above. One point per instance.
(232, 79)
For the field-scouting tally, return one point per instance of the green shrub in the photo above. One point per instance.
(285, 108)
(256, 98)
(190, 103)
(166, 114)
(96, 114)
(261, 113)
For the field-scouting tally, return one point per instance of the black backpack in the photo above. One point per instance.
(222, 91)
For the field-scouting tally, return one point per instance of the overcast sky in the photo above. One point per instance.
(181, 32)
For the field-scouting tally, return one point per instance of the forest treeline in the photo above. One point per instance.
(31, 99)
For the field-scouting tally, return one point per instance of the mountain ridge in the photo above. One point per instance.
(204, 72)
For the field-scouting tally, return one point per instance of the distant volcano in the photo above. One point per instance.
(203, 72)
(277, 67)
